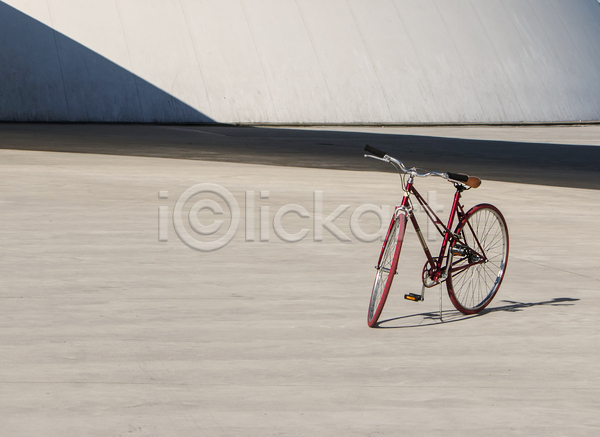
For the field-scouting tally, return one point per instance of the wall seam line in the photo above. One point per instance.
(62, 76)
(362, 37)
(412, 43)
(312, 42)
(187, 24)
(135, 76)
(499, 59)
(260, 57)
(468, 74)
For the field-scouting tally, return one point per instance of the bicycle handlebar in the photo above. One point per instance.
(374, 151)
(382, 156)
(464, 179)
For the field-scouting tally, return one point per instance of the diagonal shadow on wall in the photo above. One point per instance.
(46, 76)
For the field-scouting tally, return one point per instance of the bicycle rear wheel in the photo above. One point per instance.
(386, 268)
(478, 260)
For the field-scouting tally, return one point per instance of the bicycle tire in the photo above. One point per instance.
(471, 283)
(386, 268)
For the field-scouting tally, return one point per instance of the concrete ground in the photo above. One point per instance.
(107, 331)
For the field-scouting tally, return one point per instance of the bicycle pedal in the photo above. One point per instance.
(413, 297)
(459, 249)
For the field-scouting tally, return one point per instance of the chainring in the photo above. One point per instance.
(428, 271)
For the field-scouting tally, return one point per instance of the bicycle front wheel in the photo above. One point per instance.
(386, 268)
(478, 260)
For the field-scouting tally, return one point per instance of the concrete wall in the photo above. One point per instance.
(303, 61)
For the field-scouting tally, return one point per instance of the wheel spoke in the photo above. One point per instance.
(384, 269)
(472, 285)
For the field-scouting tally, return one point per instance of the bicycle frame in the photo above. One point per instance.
(438, 272)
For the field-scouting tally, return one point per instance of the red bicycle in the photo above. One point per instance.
(472, 259)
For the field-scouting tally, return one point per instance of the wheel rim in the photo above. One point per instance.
(474, 282)
(385, 265)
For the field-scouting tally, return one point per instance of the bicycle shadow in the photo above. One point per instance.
(449, 316)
